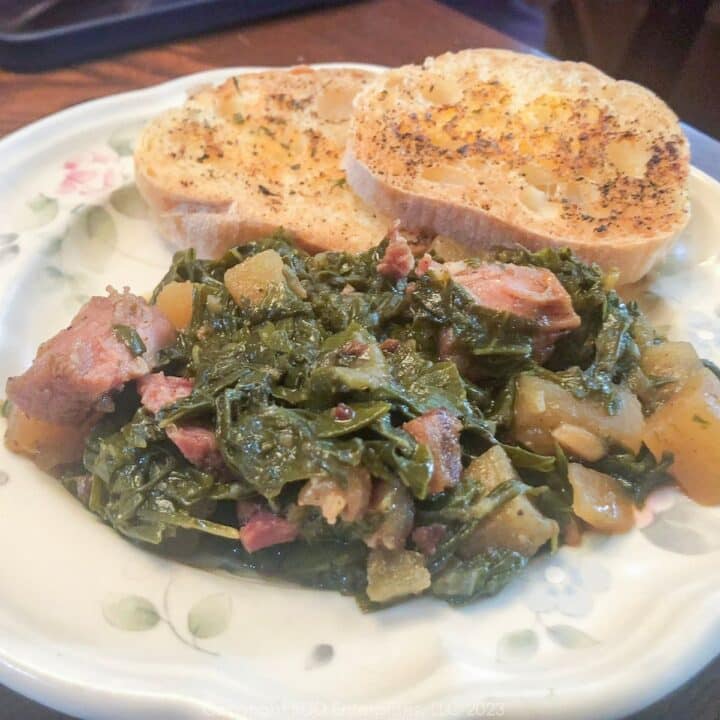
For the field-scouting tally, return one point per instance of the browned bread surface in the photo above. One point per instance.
(261, 151)
(495, 147)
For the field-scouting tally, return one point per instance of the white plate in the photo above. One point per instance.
(592, 632)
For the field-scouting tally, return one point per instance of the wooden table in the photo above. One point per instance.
(388, 32)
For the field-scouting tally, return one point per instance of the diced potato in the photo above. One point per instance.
(394, 574)
(46, 443)
(518, 525)
(491, 469)
(676, 360)
(579, 442)
(599, 500)
(541, 406)
(175, 300)
(252, 278)
(688, 425)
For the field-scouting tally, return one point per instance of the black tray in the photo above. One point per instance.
(43, 34)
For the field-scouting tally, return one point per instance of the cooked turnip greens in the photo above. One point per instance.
(425, 428)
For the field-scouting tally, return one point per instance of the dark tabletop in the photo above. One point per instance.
(388, 32)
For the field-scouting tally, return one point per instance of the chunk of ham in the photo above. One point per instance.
(76, 370)
(427, 537)
(426, 263)
(158, 390)
(348, 501)
(261, 528)
(398, 260)
(198, 445)
(532, 293)
(440, 431)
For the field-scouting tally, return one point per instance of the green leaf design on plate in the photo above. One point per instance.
(130, 612)
(122, 140)
(517, 646)
(685, 529)
(570, 637)
(210, 616)
(44, 209)
(54, 272)
(100, 225)
(8, 252)
(128, 201)
(90, 240)
(54, 277)
(676, 538)
(53, 247)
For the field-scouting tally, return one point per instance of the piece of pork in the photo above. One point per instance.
(261, 528)
(529, 292)
(75, 370)
(198, 445)
(398, 260)
(440, 431)
(428, 537)
(158, 390)
(348, 500)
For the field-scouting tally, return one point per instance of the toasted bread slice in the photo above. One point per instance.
(494, 147)
(260, 151)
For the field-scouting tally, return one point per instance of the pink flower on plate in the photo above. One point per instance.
(91, 173)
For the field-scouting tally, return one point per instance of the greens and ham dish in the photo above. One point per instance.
(386, 425)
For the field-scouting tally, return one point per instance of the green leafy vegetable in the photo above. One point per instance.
(331, 423)
(712, 367)
(640, 474)
(461, 582)
(129, 336)
(315, 382)
(5, 408)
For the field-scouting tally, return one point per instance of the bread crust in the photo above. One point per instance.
(261, 151)
(493, 147)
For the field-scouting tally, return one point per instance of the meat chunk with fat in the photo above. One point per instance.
(348, 500)
(529, 292)
(73, 371)
(398, 260)
(440, 431)
(158, 390)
